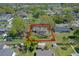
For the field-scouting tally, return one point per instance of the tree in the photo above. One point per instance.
(69, 17)
(76, 34)
(67, 10)
(58, 19)
(76, 10)
(18, 26)
(8, 9)
(2, 10)
(12, 32)
(45, 19)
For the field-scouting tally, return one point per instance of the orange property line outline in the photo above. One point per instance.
(42, 25)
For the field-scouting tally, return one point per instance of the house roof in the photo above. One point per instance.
(6, 52)
(3, 29)
(44, 52)
(61, 29)
(1, 45)
(3, 20)
(5, 16)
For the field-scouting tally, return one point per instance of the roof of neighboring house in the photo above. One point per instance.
(5, 16)
(21, 13)
(1, 45)
(6, 52)
(3, 20)
(61, 29)
(62, 25)
(3, 29)
(39, 52)
(41, 45)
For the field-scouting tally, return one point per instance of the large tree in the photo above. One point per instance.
(8, 9)
(18, 26)
(69, 17)
(46, 19)
(58, 19)
(76, 34)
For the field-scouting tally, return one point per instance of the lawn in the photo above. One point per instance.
(61, 52)
(16, 41)
(59, 37)
(63, 49)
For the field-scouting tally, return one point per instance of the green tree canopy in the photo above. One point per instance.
(18, 26)
(76, 34)
(6, 9)
(45, 19)
(69, 17)
(58, 19)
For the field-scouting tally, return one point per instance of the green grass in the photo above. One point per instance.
(16, 41)
(59, 38)
(59, 52)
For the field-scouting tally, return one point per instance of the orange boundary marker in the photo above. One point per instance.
(42, 40)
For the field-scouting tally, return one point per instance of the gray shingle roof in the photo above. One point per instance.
(6, 52)
(44, 52)
(61, 29)
(1, 45)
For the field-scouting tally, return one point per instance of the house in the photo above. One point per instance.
(2, 30)
(40, 30)
(21, 14)
(5, 50)
(4, 21)
(44, 53)
(41, 45)
(62, 25)
(62, 29)
(41, 51)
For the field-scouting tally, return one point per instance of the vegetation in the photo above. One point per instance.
(42, 14)
(7, 9)
(18, 27)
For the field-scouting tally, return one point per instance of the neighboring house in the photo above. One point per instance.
(44, 53)
(4, 21)
(41, 51)
(62, 25)
(41, 45)
(62, 29)
(2, 30)
(5, 50)
(21, 14)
